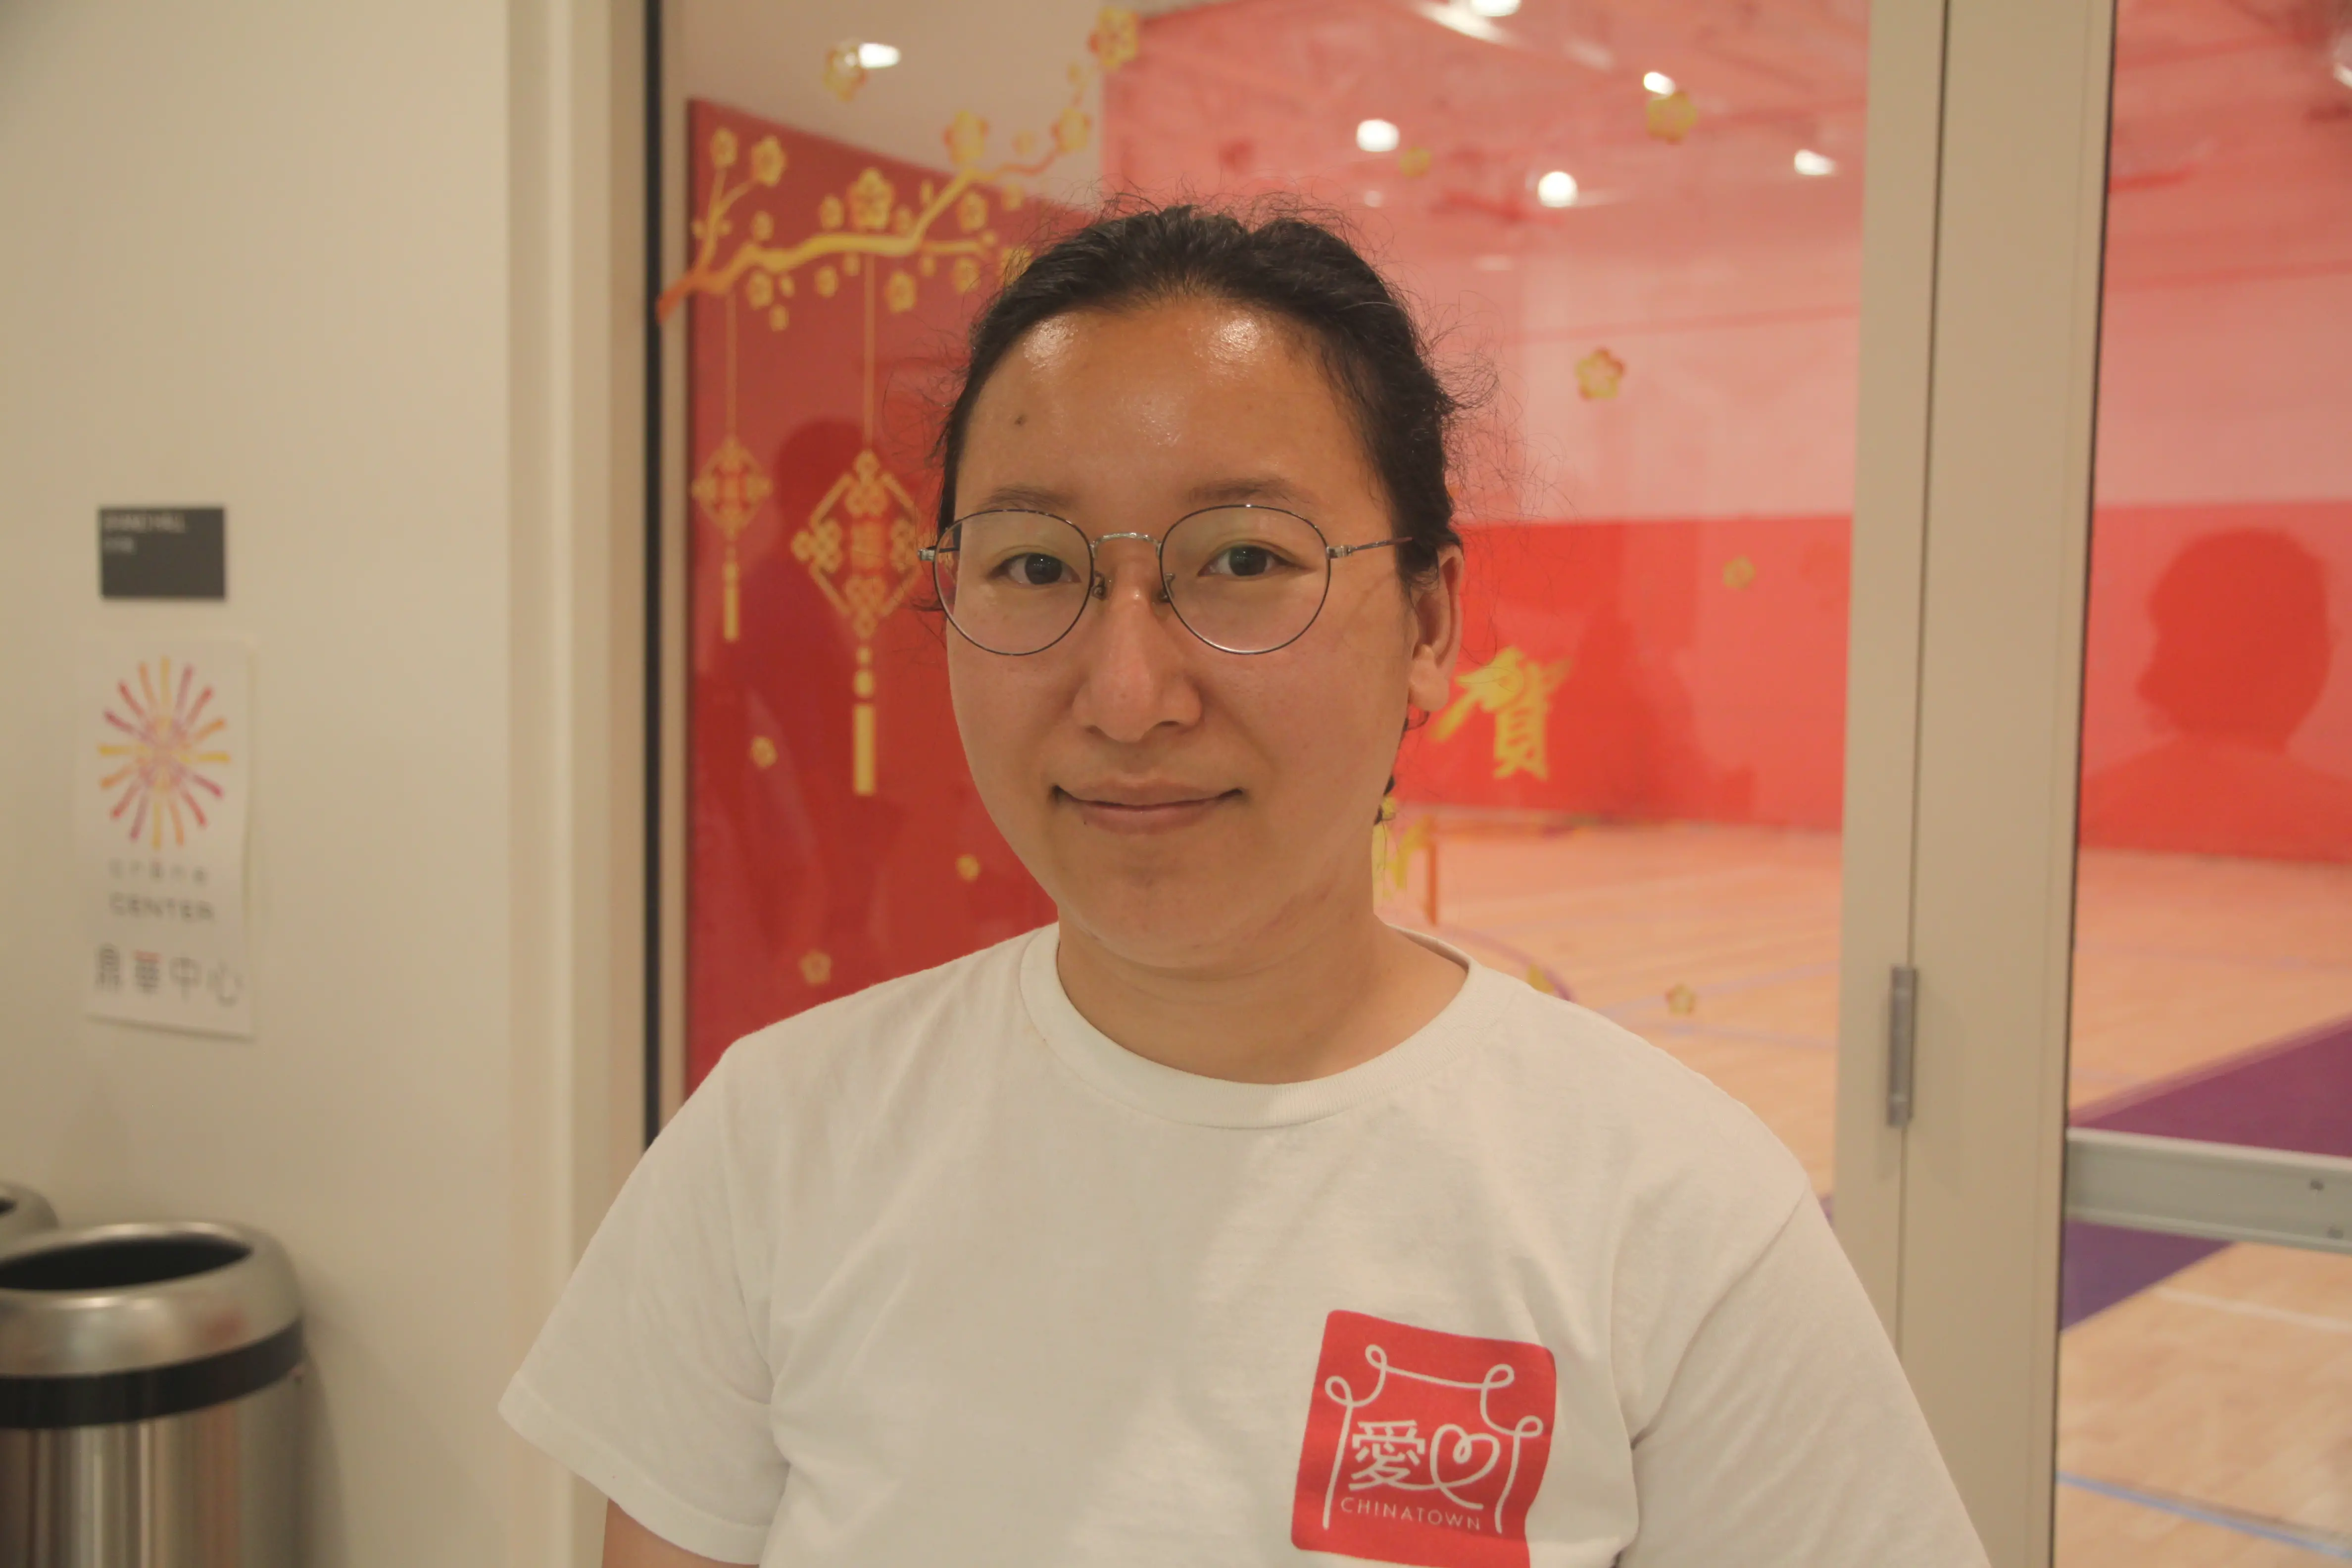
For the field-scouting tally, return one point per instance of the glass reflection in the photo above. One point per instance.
(2202, 1417)
(1641, 223)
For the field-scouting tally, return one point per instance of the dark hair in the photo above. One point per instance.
(1282, 262)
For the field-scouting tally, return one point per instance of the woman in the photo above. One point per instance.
(1221, 1222)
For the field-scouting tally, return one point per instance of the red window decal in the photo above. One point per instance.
(1423, 1448)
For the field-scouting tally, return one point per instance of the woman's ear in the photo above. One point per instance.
(1437, 633)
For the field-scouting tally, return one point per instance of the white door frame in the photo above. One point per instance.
(1954, 1222)
(1902, 148)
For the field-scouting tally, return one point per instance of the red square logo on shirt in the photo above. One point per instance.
(1423, 1448)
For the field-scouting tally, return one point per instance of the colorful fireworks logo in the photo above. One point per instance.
(161, 777)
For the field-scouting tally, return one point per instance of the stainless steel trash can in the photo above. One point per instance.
(22, 1212)
(149, 1393)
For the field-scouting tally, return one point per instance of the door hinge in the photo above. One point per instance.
(1901, 1033)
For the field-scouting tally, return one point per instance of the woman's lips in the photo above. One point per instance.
(1148, 813)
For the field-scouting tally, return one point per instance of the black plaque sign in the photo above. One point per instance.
(162, 552)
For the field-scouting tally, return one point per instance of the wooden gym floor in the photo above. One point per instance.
(2205, 1421)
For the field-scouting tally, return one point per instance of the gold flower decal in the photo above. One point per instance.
(964, 275)
(899, 292)
(760, 290)
(762, 226)
(845, 73)
(722, 149)
(827, 281)
(1414, 162)
(1671, 116)
(817, 966)
(1114, 40)
(870, 196)
(778, 319)
(1072, 129)
(967, 138)
(971, 211)
(829, 213)
(768, 161)
(1599, 374)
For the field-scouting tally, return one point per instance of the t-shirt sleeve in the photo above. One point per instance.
(650, 1380)
(1789, 1433)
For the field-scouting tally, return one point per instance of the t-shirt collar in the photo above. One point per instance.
(1176, 1096)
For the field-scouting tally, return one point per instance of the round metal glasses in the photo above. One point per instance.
(1243, 579)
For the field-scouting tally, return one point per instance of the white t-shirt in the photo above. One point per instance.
(939, 1274)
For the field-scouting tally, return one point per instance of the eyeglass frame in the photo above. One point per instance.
(1098, 586)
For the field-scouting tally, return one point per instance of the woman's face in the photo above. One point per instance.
(1187, 808)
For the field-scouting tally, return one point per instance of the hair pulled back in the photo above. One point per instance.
(1285, 264)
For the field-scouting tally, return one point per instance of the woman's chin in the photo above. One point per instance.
(1160, 927)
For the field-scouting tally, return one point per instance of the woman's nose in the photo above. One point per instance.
(1135, 678)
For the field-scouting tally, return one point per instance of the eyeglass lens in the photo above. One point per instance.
(1243, 579)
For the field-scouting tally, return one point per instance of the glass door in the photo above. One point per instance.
(2205, 1366)
(1635, 231)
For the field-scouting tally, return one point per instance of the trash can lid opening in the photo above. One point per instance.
(111, 1265)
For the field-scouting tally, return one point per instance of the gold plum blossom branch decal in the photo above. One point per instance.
(871, 222)
(859, 543)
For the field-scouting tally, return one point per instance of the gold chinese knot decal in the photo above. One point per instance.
(1517, 690)
(860, 544)
(729, 491)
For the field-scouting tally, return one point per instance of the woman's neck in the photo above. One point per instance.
(1316, 997)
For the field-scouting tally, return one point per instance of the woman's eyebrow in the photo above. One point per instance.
(1267, 487)
(1024, 498)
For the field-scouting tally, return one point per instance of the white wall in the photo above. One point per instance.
(319, 264)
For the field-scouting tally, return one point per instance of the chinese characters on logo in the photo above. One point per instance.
(1423, 1448)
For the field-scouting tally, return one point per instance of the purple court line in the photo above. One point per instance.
(2287, 1094)
(2321, 1542)
(2101, 1110)
(2185, 955)
(1623, 1011)
(1682, 1030)
(1552, 977)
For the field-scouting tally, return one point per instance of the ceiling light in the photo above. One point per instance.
(1557, 189)
(1377, 135)
(877, 56)
(1462, 20)
(1658, 82)
(1813, 164)
(1493, 8)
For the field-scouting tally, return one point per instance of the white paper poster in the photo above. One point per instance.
(166, 740)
